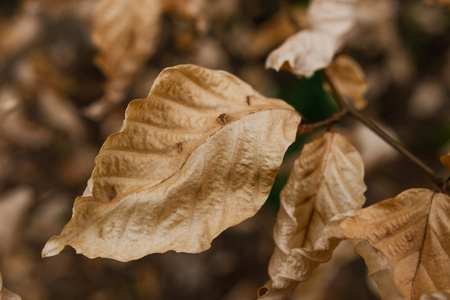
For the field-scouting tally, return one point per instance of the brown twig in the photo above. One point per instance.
(304, 128)
(381, 133)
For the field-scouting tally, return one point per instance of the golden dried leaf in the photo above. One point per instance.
(380, 270)
(436, 296)
(349, 79)
(195, 157)
(324, 187)
(6, 294)
(317, 286)
(193, 10)
(18, 34)
(411, 230)
(125, 33)
(269, 35)
(14, 206)
(313, 48)
(445, 160)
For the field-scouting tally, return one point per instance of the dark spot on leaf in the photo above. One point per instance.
(409, 237)
(223, 119)
(248, 100)
(112, 193)
(100, 233)
(179, 147)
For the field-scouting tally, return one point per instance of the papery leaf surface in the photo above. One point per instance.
(324, 187)
(195, 157)
(6, 294)
(436, 296)
(125, 33)
(349, 79)
(313, 48)
(411, 230)
(380, 271)
(445, 160)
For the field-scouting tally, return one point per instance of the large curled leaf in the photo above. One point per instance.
(195, 157)
(6, 294)
(313, 48)
(411, 230)
(324, 187)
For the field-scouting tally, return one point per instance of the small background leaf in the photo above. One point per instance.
(125, 33)
(6, 294)
(349, 79)
(313, 48)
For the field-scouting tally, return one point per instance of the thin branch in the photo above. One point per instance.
(304, 128)
(381, 133)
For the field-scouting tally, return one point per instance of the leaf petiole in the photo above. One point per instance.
(304, 128)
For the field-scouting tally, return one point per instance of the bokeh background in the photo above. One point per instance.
(50, 88)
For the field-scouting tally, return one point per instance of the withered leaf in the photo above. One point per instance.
(380, 270)
(125, 33)
(313, 48)
(13, 209)
(324, 187)
(411, 230)
(6, 294)
(349, 79)
(195, 157)
(318, 285)
(193, 10)
(445, 159)
(436, 296)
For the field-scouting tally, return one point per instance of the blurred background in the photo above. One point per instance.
(64, 88)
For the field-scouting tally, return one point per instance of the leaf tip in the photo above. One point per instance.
(52, 248)
(445, 160)
(262, 292)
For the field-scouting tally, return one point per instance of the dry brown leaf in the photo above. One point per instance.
(349, 79)
(313, 48)
(411, 230)
(17, 128)
(195, 157)
(380, 271)
(436, 296)
(317, 287)
(324, 187)
(125, 33)
(60, 113)
(445, 159)
(18, 34)
(6, 294)
(13, 208)
(193, 10)
(269, 35)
